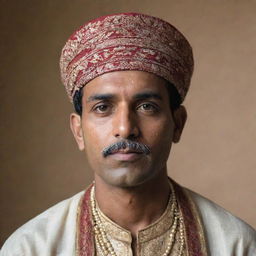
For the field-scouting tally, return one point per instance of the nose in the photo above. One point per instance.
(125, 124)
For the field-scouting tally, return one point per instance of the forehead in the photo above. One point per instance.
(128, 82)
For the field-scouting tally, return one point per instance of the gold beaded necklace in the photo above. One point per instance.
(103, 242)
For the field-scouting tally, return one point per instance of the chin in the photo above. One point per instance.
(125, 178)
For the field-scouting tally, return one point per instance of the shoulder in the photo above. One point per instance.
(225, 233)
(39, 235)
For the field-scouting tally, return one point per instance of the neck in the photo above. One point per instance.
(133, 208)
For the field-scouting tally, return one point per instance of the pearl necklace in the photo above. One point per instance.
(103, 242)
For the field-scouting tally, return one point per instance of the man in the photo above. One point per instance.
(127, 75)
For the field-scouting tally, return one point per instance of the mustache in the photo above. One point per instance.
(126, 144)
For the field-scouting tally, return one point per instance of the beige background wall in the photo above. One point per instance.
(40, 164)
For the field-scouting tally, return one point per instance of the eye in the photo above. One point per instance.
(148, 107)
(101, 108)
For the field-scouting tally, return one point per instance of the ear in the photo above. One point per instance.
(76, 128)
(179, 117)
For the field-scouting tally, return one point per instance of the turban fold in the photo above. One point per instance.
(126, 41)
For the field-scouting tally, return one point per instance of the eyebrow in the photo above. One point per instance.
(147, 95)
(95, 97)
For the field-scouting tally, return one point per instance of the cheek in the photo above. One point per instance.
(96, 136)
(159, 133)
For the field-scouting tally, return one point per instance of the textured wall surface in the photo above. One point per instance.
(40, 163)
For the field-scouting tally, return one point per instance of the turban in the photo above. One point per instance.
(126, 41)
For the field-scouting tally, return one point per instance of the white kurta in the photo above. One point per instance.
(54, 231)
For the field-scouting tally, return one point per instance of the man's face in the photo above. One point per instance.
(121, 106)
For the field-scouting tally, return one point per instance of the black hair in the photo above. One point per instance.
(175, 99)
(174, 96)
(77, 101)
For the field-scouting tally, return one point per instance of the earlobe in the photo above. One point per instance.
(76, 128)
(179, 117)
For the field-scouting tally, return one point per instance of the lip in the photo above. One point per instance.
(126, 156)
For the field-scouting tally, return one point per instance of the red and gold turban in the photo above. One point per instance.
(126, 41)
